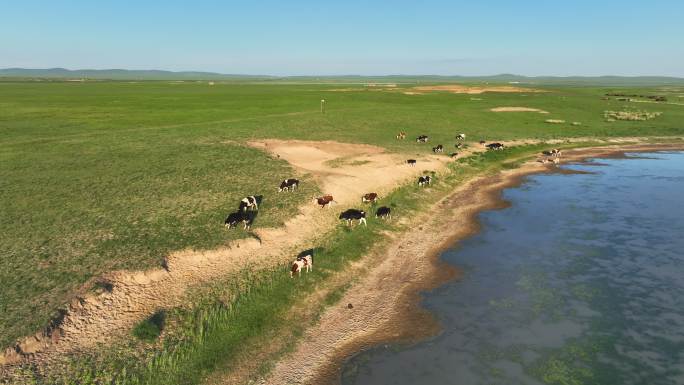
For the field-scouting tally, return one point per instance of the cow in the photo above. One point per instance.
(424, 180)
(301, 263)
(553, 152)
(239, 216)
(249, 202)
(460, 137)
(437, 149)
(353, 214)
(495, 146)
(401, 135)
(384, 212)
(411, 162)
(422, 139)
(289, 185)
(325, 200)
(458, 145)
(369, 198)
(453, 154)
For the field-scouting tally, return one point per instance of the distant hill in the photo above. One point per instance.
(122, 74)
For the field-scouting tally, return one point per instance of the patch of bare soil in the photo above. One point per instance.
(518, 109)
(462, 89)
(99, 318)
(364, 168)
(385, 301)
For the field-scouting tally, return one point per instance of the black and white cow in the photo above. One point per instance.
(240, 216)
(249, 202)
(411, 162)
(369, 198)
(302, 262)
(424, 180)
(495, 146)
(384, 212)
(354, 214)
(422, 139)
(289, 185)
(438, 148)
(460, 137)
(458, 145)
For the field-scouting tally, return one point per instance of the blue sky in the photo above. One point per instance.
(297, 37)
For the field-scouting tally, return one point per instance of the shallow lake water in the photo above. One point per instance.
(580, 281)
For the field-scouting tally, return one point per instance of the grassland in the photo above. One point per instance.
(110, 175)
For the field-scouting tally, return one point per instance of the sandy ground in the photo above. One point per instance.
(518, 109)
(97, 319)
(385, 301)
(461, 89)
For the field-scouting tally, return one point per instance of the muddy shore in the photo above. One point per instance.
(386, 302)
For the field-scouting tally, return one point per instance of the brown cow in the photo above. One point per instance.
(369, 198)
(325, 200)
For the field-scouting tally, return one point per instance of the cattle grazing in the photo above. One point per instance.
(553, 152)
(411, 162)
(458, 145)
(424, 180)
(325, 201)
(289, 185)
(301, 263)
(495, 146)
(384, 212)
(370, 198)
(482, 142)
(453, 154)
(401, 135)
(437, 149)
(249, 202)
(353, 214)
(240, 216)
(422, 139)
(460, 137)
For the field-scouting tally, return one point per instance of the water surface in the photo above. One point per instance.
(580, 281)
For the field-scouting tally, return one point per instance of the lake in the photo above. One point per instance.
(580, 281)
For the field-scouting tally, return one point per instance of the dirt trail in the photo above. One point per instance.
(386, 301)
(97, 319)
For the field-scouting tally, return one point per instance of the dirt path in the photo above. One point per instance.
(385, 301)
(98, 319)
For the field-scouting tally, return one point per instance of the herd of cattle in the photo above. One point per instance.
(249, 206)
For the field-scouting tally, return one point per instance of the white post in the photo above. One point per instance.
(322, 106)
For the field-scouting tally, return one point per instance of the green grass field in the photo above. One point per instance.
(99, 176)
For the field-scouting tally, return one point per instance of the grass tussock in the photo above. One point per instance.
(635, 116)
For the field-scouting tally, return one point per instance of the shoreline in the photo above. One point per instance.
(387, 301)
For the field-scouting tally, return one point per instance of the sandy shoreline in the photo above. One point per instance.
(386, 301)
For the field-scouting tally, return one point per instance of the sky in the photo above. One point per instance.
(301, 37)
